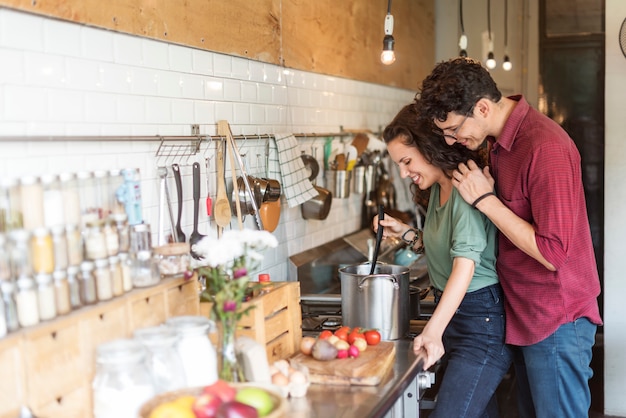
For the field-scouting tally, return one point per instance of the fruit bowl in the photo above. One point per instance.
(279, 410)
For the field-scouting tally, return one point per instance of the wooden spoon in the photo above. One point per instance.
(221, 210)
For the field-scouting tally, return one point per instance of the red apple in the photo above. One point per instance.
(206, 405)
(236, 409)
(221, 389)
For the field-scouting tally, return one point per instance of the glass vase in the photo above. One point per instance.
(230, 369)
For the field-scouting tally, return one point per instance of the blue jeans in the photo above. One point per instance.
(477, 357)
(553, 375)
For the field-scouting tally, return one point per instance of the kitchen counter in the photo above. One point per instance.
(398, 391)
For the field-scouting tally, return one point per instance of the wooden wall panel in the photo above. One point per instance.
(340, 38)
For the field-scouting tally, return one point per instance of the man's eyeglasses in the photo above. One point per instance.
(452, 135)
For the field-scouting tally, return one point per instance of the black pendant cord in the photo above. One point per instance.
(389, 7)
(461, 16)
(506, 23)
(489, 18)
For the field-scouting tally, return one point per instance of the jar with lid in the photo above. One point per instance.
(88, 293)
(46, 297)
(95, 242)
(3, 322)
(122, 383)
(31, 195)
(87, 198)
(116, 180)
(61, 292)
(144, 269)
(52, 201)
(123, 231)
(10, 306)
(163, 360)
(19, 257)
(74, 245)
(26, 301)
(265, 283)
(117, 281)
(42, 251)
(111, 238)
(173, 259)
(104, 286)
(10, 205)
(5, 267)
(127, 280)
(101, 182)
(193, 344)
(129, 194)
(59, 244)
(71, 202)
(73, 282)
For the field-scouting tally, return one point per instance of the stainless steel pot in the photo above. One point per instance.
(379, 300)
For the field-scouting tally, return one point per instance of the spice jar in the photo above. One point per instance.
(173, 259)
(59, 244)
(7, 287)
(117, 281)
(163, 360)
(46, 297)
(95, 242)
(42, 251)
(26, 301)
(61, 292)
(127, 280)
(19, 247)
(111, 238)
(10, 209)
(73, 281)
(122, 383)
(144, 270)
(104, 286)
(31, 196)
(101, 183)
(87, 198)
(193, 343)
(71, 202)
(74, 245)
(123, 231)
(87, 283)
(52, 201)
(5, 267)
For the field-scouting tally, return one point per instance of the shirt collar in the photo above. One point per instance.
(512, 124)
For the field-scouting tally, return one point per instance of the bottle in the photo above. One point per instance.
(111, 238)
(87, 283)
(144, 269)
(117, 281)
(87, 198)
(104, 285)
(53, 214)
(122, 383)
(42, 251)
(10, 209)
(71, 202)
(73, 282)
(46, 297)
(95, 242)
(123, 231)
(10, 306)
(101, 183)
(264, 282)
(61, 292)
(31, 195)
(26, 301)
(116, 180)
(129, 193)
(74, 241)
(127, 280)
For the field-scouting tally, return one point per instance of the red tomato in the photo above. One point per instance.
(342, 333)
(354, 334)
(325, 334)
(372, 337)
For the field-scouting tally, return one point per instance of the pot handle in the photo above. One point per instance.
(391, 277)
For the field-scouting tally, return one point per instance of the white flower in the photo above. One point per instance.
(233, 245)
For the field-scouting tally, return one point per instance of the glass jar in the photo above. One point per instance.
(87, 198)
(73, 282)
(122, 383)
(117, 281)
(173, 259)
(53, 214)
(129, 194)
(59, 244)
(3, 322)
(87, 283)
(10, 205)
(111, 238)
(95, 242)
(45, 297)
(71, 202)
(163, 360)
(31, 195)
(116, 180)
(19, 257)
(127, 280)
(5, 266)
(61, 292)
(123, 231)
(104, 286)
(101, 183)
(144, 269)
(193, 344)
(10, 306)
(42, 251)
(26, 301)
(74, 245)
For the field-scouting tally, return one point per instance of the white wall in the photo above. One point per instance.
(64, 79)
(614, 220)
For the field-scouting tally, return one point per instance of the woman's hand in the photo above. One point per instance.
(391, 226)
(431, 349)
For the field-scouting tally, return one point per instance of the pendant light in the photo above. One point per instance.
(491, 61)
(506, 64)
(463, 38)
(388, 57)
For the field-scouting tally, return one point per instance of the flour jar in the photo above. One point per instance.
(31, 195)
(195, 349)
(122, 382)
(164, 363)
(52, 201)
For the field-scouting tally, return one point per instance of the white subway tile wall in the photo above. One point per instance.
(62, 79)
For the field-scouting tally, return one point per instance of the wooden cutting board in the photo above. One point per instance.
(366, 370)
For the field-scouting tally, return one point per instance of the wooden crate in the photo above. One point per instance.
(275, 321)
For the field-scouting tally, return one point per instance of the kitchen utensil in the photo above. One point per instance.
(168, 202)
(162, 173)
(379, 237)
(328, 146)
(270, 209)
(180, 235)
(360, 142)
(318, 207)
(240, 195)
(340, 159)
(379, 300)
(195, 235)
(222, 210)
(351, 157)
(338, 182)
(209, 202)
(236, 184)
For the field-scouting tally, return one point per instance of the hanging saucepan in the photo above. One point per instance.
(319, 206)
(247, 208)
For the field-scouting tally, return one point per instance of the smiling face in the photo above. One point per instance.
(468, 130)
(413, 165)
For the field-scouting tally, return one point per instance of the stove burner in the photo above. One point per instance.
(331, 322)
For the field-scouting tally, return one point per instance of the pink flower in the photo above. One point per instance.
(230, 306)
(240, 272)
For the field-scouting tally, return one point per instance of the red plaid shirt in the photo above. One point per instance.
(538, 176)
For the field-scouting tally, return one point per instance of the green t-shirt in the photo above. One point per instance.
(458, 230)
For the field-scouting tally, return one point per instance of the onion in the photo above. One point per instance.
(306, 345)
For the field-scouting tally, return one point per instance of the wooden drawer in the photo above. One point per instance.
(12, 377)
(76, 404)
(183, 299)
(147, 311)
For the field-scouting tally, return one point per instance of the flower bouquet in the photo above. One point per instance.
(225, 267)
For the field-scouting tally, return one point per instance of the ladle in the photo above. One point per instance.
(180, 235)
(195, 235)
(379, 237)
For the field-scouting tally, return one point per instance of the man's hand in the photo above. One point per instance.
(471, 181)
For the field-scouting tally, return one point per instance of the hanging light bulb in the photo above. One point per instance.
(388, 57)
(506, 64)
(463, 38)
(491, 61)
